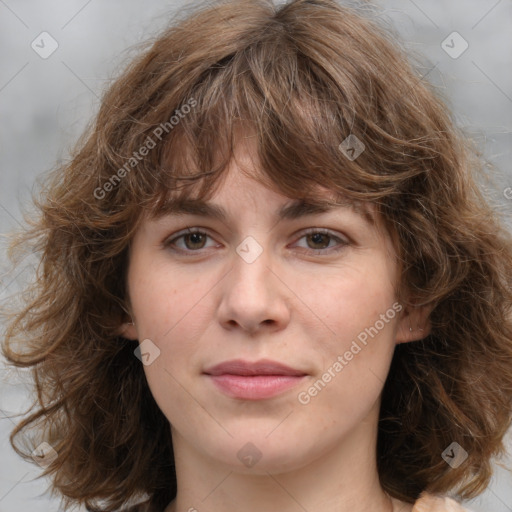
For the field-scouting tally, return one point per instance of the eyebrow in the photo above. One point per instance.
(297, 209)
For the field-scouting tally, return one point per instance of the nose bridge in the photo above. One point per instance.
(252, 295)
(251, 270)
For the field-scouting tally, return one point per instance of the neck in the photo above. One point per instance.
(343, 479)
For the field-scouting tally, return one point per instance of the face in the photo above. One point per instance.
(314, 293)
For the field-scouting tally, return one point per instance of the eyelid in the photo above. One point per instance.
(178, 234)
(334, 234)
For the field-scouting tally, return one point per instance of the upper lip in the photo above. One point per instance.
(262, 367)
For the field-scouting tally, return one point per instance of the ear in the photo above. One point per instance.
(414, 324)
(128, 330)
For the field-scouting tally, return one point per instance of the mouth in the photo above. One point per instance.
(253, 381)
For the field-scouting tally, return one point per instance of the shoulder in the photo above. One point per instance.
(433, 503)
(140, 507)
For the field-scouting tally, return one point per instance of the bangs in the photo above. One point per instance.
(292, 96)
(190, 191)
(291, 113)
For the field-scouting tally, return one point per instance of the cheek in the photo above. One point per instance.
(360, 317)
(342, 303)
(164, 299)
(175, 321)
(356, 356)
(170, 310)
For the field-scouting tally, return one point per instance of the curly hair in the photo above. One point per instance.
(305, 76)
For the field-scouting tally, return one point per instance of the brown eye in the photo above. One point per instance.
(197, 240)
(319, 241)
(189, 242)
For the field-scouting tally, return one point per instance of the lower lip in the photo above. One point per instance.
(255, 387)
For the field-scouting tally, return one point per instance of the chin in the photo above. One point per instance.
(260, 455)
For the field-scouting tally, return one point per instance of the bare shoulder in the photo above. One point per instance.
(146, 507)
(401, 506)
(432, 503)
(140, 507)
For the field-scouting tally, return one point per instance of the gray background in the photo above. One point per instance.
(45, 104)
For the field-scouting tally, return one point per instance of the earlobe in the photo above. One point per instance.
(128, 330)
(414, 324)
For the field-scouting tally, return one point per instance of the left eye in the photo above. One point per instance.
(195, 239)
(319, 237)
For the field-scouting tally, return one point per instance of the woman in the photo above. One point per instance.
(339, 339)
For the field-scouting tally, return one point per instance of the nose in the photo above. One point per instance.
(254, 297)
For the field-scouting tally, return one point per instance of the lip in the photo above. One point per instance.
(261, 367)
(254, 380)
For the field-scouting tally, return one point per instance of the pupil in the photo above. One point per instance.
(195, 240)
(317, 238)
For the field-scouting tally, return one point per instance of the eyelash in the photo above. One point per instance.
(311, 231)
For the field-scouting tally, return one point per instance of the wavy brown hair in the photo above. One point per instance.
(304, 76)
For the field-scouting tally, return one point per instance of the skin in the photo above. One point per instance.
(293, 305)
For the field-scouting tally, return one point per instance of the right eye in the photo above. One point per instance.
(193, 240)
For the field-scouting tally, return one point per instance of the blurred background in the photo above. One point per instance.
(58, 56)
